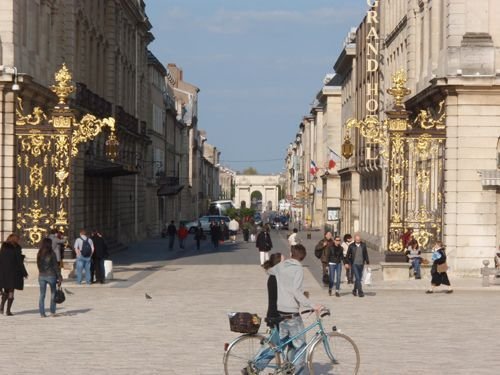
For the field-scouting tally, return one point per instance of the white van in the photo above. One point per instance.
(220, 207)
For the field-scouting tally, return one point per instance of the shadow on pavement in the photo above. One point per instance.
(156, 250)
(58, 313)
(73, 312)
(27, 312)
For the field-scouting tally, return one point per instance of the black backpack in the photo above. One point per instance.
(86, 248)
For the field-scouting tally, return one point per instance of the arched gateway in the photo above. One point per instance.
(266, 185)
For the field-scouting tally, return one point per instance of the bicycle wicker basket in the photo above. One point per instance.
(243, 322)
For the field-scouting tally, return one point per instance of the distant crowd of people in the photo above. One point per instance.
(90, 252)
(219, 232)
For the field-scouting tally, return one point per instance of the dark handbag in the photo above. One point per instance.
(318, 252)
(60, 296)
(326, 279)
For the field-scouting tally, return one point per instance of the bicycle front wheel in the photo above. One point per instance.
(334, 353)
(242, 353)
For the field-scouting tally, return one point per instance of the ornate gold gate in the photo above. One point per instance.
(414, 151)
(45, 148)
(416, 155)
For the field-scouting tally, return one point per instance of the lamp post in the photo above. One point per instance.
(46, 147)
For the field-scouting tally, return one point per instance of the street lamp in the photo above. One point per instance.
(347, 147)
(11, 70)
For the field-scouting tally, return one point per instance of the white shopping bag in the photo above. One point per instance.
(252, 238)
(367, 276)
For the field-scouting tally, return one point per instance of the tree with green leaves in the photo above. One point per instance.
(250, 171)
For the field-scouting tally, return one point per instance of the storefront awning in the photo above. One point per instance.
(109, 169)
(489, 177)
(169, 190)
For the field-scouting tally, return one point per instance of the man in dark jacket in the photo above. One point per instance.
(171, 232)
(357, 255)
(215, 234)
(322, 252)
(100, 254)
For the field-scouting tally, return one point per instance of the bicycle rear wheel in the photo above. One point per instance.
(242, 352)
(334, 353)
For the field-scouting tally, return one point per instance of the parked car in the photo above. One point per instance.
(205, 222)
(257, 218)
(280, 222)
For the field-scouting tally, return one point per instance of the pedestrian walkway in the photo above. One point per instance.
(114, 329)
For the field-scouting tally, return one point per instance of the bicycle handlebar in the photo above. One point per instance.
(324, 312)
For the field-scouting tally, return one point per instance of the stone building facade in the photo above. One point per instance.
(449, 51)
(226, 183)
(104, 44)
(316, 196)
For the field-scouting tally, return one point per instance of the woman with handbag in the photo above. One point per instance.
(49, 273)
(12, 271)
(439, 268)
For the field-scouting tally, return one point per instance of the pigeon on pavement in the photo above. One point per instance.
(148, 296)
(67, 291)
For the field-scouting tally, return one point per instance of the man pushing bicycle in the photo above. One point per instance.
(290, 279)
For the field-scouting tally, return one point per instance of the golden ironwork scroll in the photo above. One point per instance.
(46, 145)
(415, 170)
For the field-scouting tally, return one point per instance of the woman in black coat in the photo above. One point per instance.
(439, 268)
(264, 244)
(12, 271)
(272, 289)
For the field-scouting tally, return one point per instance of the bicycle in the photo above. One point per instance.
(326, 353)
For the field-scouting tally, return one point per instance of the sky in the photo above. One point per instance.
(258, 63)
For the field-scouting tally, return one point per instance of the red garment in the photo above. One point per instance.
(182, 233)
(406, 238)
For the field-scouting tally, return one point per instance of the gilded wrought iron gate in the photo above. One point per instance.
(45, 147)
(416, 178)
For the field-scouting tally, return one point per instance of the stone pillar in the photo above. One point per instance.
(470, 217)
(7, 163)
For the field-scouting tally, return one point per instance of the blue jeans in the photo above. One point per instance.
(43, 281)
(290, 328)
(416, 266)
(335, 272)
(358, 276)
(81, 263)
(266, 353)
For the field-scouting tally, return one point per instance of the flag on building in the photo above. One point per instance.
(333, 157)
(314, 169)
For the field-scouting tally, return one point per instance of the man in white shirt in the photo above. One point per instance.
(292, 239)
(84, 248)
(233, 227)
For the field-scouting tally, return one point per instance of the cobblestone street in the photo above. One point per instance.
(114, 329)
